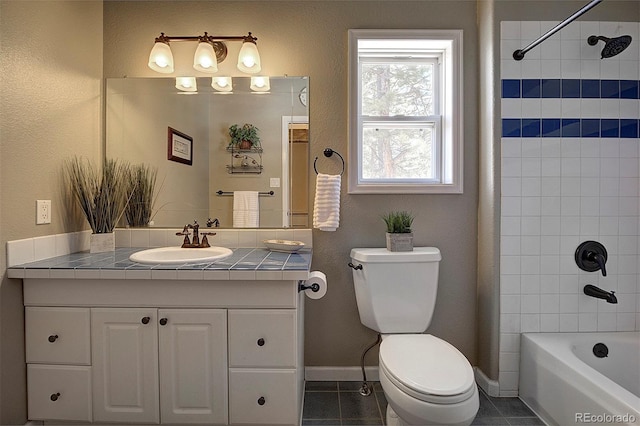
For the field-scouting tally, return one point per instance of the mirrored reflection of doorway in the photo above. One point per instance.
(295, 171)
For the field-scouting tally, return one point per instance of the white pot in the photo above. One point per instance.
(102, 242)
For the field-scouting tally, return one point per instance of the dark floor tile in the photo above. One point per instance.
(352, 386)
(525, 421)
(511, 407)
(321, 386)
(357, 422)
(321, 405)
(382, 403)
(319, 422)
(489, 421)
(487, 409)
(355, 406)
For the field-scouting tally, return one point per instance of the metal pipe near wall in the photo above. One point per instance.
(518, 55)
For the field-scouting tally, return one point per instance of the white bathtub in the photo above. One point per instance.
(566, 384)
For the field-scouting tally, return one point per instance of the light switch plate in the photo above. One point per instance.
(274, 182)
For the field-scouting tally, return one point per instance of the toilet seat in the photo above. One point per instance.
(427, 368)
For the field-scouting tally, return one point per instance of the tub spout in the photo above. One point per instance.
(593, 291)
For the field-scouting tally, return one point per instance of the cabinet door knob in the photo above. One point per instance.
(53, 338)
(163, 321)
(54, 396)
(145, 320)
(261, 342)
(261, 400)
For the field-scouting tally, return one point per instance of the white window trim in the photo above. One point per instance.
(452, 126)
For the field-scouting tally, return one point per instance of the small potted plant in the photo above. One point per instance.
(399, 235)
(244, 137)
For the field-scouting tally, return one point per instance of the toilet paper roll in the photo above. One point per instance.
(319, 279)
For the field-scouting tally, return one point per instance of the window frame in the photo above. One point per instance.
(447, 115)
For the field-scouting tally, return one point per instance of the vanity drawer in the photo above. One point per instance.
(262, 338)
(263, 396)
(59, 392)
(58, 335)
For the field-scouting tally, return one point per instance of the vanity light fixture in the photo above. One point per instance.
(210, 51)
(186, 84)
(260, 83)
(222, 84)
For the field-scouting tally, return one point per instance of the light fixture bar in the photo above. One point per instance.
(248, 60)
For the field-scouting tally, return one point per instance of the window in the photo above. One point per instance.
(405, 116)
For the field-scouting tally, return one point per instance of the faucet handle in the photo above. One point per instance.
(205, 241)
(591, 256)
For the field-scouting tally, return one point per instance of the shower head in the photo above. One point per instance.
(612, 46)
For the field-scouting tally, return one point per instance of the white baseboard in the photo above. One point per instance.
(491, 387)
(345, 374)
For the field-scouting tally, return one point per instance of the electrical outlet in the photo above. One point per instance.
(43, 212)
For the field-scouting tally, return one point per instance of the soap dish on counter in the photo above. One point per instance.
(284, 246)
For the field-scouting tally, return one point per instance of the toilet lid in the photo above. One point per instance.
(426, 367)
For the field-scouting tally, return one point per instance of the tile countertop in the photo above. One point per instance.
(243, 264)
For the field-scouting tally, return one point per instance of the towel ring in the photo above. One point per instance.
(328, 152)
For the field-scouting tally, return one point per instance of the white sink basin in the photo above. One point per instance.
(178, 255)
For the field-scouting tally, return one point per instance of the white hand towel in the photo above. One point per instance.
(246, 209)
(326, 209)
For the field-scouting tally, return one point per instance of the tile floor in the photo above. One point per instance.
(340, 404)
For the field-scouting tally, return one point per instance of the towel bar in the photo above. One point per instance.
(221, 192)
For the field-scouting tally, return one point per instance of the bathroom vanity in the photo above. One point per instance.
(130, 343)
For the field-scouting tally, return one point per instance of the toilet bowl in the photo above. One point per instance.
(426, 381)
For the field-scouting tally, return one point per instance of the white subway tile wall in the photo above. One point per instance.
(570, 173)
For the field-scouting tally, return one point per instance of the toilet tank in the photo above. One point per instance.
(396, 291)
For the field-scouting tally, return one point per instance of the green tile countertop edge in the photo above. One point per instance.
(243, 262)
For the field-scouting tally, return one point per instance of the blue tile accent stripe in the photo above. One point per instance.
(570, 128)
(570, 88)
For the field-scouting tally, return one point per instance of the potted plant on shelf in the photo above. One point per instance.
(102, 195)
(244, 137)
(399, 235)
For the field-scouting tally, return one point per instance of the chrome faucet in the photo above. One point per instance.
(195, 241)
(593, 291)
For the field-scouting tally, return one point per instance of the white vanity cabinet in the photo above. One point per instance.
(168, 352)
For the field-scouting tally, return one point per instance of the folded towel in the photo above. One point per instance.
(326, 210)
(246, 209)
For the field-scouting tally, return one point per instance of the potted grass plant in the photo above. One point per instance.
(244, 137)
(142, 187)
(102, 194)
(399, 234)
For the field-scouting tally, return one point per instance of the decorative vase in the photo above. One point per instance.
(102, 242)
(245, 145)
(400, 242)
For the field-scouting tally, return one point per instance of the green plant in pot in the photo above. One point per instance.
(399, 234)
(102, 194)
(244, 137)
(142, 187)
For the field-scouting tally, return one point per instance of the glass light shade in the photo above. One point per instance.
(204, 59)
(249, 58)
(161, 58)
(222, 84)
(260, 83)
(186, 84)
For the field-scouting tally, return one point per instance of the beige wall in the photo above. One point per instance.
(50, 80)
(310, 38)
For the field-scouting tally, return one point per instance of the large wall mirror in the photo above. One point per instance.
(199, 182)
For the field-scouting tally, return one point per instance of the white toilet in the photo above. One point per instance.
(426, 380)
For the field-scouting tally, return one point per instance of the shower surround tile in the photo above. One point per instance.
(570, 173)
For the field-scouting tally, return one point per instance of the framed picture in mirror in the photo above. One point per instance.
(180, 147)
